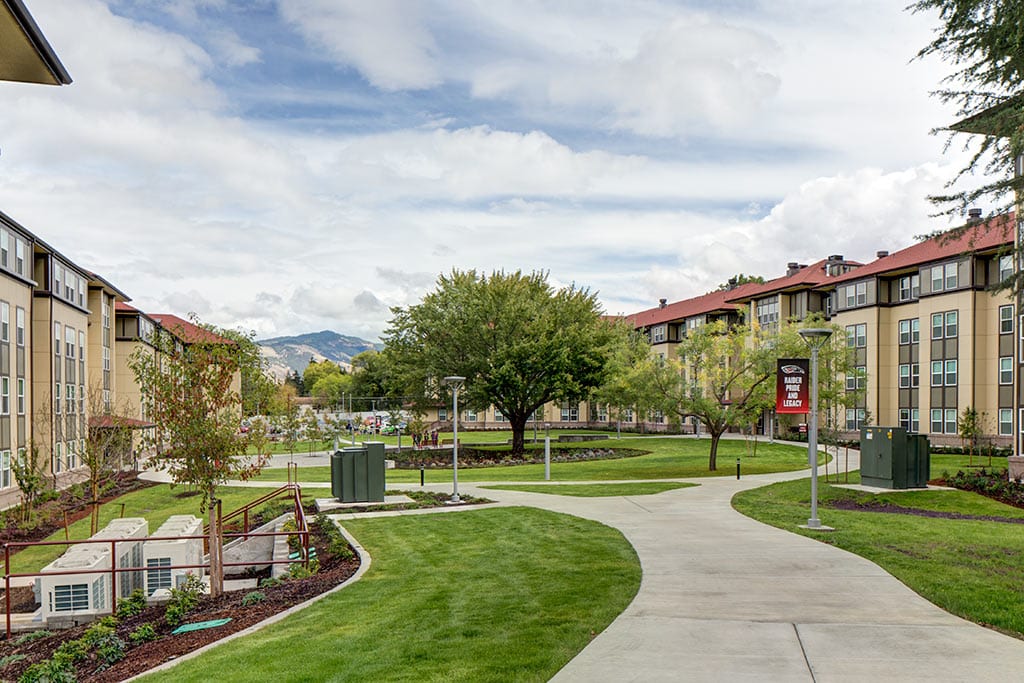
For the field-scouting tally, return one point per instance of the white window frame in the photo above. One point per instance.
(904, 379)
(1006, 370)
(19, 326)
(950, 421)
(936, 421)
(937, 374)
(1005, 422)
(951, 372)
(1006, 319)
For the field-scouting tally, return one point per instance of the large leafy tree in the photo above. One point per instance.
(187, 391)
(983, 40)
(372, 380)
(519, 342)
(258, 387)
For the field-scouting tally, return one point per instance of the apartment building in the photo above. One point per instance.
(66, 339)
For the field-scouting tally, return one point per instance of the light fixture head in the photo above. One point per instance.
(454, 380)
(815, 332)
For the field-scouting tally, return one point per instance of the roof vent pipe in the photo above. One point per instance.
(973, 215)
(881, 253)
(662, 303)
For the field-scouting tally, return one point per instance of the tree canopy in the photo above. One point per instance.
(983, 40)
(518, 341)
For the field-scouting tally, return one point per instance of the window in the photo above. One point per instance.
(21, 396)
(627, 415)
(768, 311)
(937, 327)
(937, 278)
(854, 419)
(936, 373)
(19, 256)
(570, 412)
(1005, 422)
(5, 395)
(657, 417)
(442, 413)
(19, 326)
(470, 416)
(106, 399)
(951, 276)
(1006, 370)
(910, 287)
(58, 277)
(5, 469)
(862, 293)
(81, 398)
(851, 336)
(56, 339)
(106, 314)
(5, 322)
(106, 359)
(58, 458)
(71, 459)
(904, 334)
(905, 380)
(69, 342)
(81, 292)
(81, 345)
(5, 239)
(950, 373)
(951, 324)
(915, 420)
(56, 398)
(851, 296)
(904, 296)
(1005, 267)
(905, 418)
(936, 415)
(499, 416)
(657, 334)
(915, 375)
(157, 578)
(70, 597)
(950, 420)
(915, 331)
(1006, 319)
(857, 335)
(862, 336)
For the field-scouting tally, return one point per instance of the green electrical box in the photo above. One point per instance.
(357, 473)
(891, 458)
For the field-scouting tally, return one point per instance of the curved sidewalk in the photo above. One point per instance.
(726, 598)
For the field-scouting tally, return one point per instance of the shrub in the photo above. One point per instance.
(183, 600)
(10, 659)
(253, 598)
(337, 544)
(143, 634)
(33, 636)
(270, 582)
(132, 605)
(110, 649)
(49, 671)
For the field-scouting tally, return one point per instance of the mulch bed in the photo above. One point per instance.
(168, 647)
(917, 512)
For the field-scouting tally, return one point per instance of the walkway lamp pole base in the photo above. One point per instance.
(815, 338)
(455, 382)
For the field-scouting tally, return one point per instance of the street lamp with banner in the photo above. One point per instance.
(815, 338)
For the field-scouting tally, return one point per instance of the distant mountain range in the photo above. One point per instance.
(285, 354)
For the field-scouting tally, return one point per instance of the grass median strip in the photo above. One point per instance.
(669, 458)
(968, 567)
(640, 488)
(489, 595)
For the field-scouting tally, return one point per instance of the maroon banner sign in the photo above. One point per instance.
(791, 386)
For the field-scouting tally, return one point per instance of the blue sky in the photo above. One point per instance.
(288, 166)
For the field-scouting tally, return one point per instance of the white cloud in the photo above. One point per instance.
(385, 40)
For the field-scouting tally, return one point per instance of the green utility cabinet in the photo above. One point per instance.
(357, 473)
(891, 458)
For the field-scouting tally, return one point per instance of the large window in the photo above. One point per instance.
(1006, 370)
(570, 412)
(657, 334)
(951, 373)
(945, 325)
(854, 418)
(1006, 422)
(945, 277)
(910, 287)
(1006, 319)
(768, 311)
(857, 335)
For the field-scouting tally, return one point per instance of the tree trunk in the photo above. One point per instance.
(216, 567)
(518, 423)
(713, 455)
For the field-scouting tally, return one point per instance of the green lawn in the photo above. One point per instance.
(467, 438)
(640, 488)
(155, 503)
(504, 594)
(669, 458)
(967, 567)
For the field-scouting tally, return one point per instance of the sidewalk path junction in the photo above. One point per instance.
(726, 598)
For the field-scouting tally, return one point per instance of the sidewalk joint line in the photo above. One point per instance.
(630, 500)
(810, 669)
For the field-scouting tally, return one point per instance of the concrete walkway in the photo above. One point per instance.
(726, 598)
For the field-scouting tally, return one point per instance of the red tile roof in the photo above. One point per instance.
(807, 277)
(712, 302)
(993, 234)
(122, 306)
(186, 331)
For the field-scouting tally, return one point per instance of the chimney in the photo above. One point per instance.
(792, 267)
(732, 282)
(973, 215)
(882, 253)
(662, 303)
(835, 257)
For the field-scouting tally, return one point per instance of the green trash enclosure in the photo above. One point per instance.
(357, 473)
(891, 458)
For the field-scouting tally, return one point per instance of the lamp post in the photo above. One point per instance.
(815, 338)
(455, 382)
